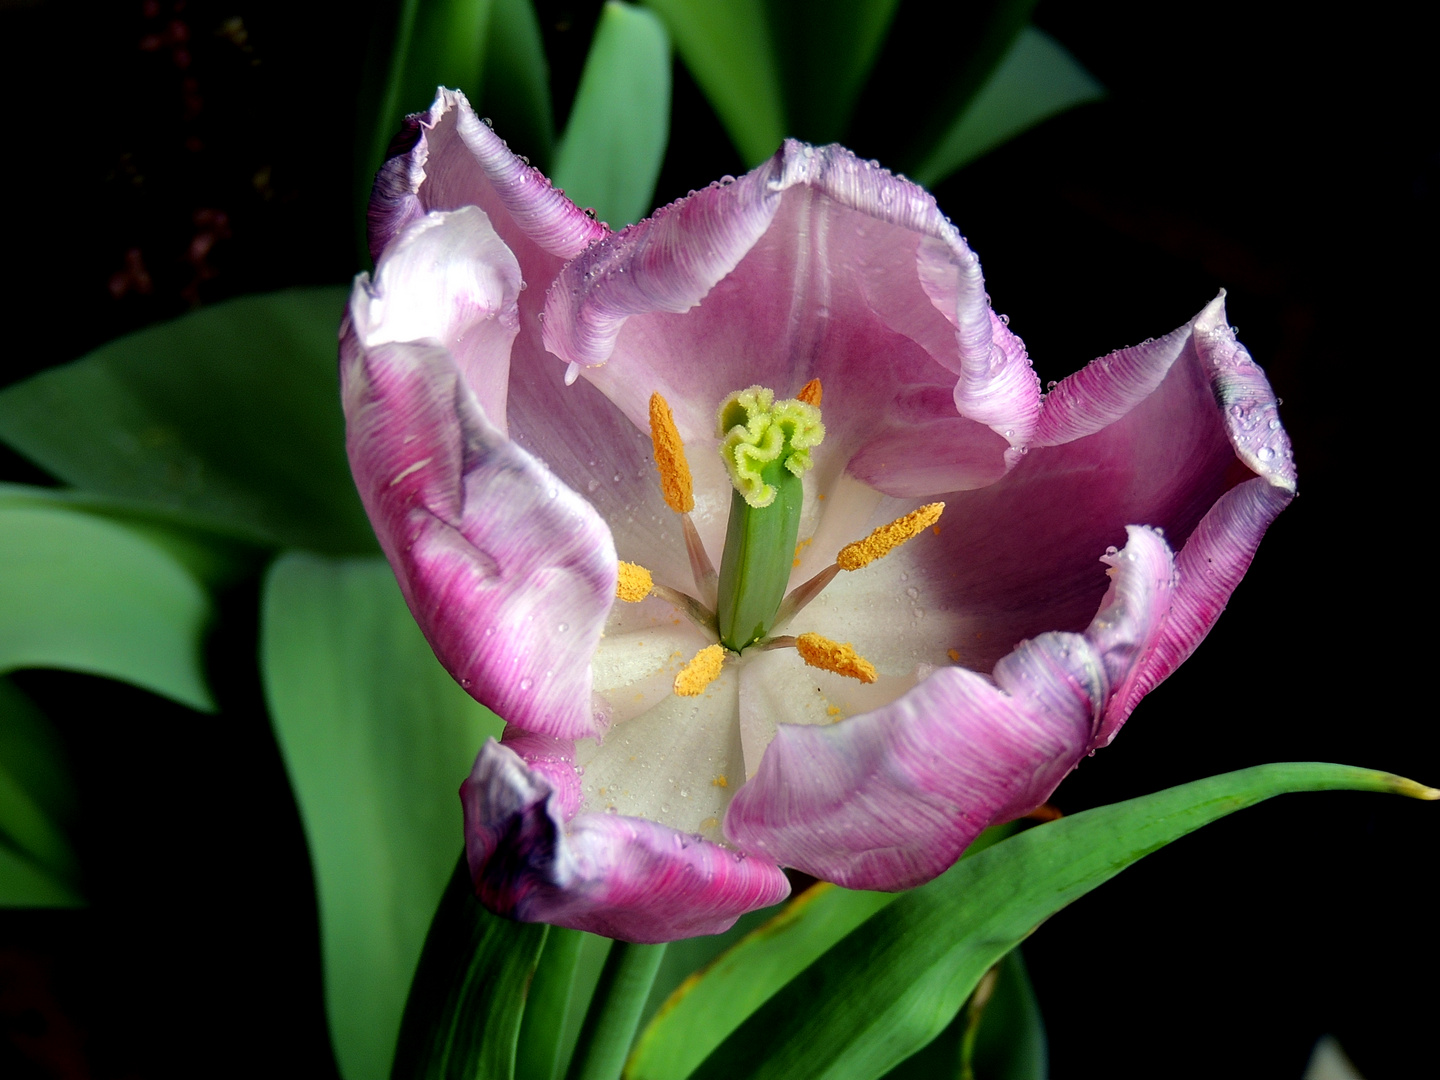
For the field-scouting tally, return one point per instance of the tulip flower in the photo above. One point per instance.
(754, 525)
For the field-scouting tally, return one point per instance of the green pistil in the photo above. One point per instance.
(755, 430)
(766, 448)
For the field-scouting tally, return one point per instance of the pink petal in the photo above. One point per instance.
(1209, 567)
(1156, 434)
(622, 877)
(447, 158)
(509, 573)
(890, 799)
(816, 264)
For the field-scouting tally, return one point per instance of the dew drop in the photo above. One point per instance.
(1266, 453)
(592, 485)
(913, 593)
(562, 627)
(526, 684)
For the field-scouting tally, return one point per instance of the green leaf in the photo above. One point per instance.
(564, 983)
(703, 1011)
(1036, 80)
(614, 1014)
(614, 142)
(517, 82)
(1007, 1041)
(829, 47)
(462, 1017)
(37, 865)
(84, 593)
(898, 979)
(228, 418)
(1010, 1044)
(377, 739)
(728, 50)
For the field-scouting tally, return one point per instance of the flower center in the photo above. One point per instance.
(765, 445)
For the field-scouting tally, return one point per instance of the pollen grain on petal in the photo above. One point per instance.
(675, 482)
(633, 583)
(810, 393)
(702, 670)
(821, 652)
(888, 537)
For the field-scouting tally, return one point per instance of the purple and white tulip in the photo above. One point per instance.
(499, 435)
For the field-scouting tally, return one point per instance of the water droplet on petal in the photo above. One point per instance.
(563, 627)
(572, 372)
(526, 684)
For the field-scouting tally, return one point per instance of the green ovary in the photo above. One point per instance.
(766, 449)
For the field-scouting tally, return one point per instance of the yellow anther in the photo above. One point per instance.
(633, 583)
(888, 537)
(821, 652)
(700, 672)
(675, 481)
(953, 654)
(810, 393)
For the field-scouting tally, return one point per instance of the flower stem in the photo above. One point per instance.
(615, 1011)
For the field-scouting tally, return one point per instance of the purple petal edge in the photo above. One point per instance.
(509, 573)
(622, 877)
(474, 167)
(672, 260)
(890, 799)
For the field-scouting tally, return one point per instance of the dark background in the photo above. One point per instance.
(166, 154)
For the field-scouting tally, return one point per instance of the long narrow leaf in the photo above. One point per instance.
(729, 51)
(615, 139)
(1036, 80)
(564, 983)
(898, 979)
(708, 1007)
(377, 739)
(37, 865)
(517, 82)
(829, 47)
(462, 1017)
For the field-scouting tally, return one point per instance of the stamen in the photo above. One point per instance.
(888, 537)
(810, 393)
(633, 583)
(675, 482)
(702, 670)
(821, 652)
(701, 568)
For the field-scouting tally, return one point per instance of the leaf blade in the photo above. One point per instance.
(610, 154)
(896, 981)
(82, 593)
(228, 418)
(376, 738)
(728, 49)
(1035, 80)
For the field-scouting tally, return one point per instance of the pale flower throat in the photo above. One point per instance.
(765, 445)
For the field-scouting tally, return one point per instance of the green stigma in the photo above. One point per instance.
(766, 447)
(756, 431)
